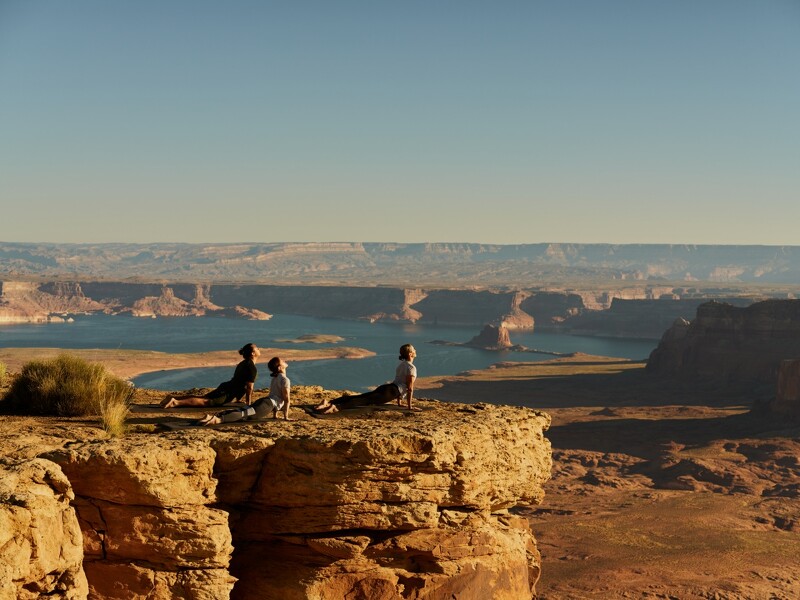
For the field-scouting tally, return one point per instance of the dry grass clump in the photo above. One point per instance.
(68, 386)
(3, 374)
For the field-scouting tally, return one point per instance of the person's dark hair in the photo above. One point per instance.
(247, 350)
(405, 351)
(273, 365)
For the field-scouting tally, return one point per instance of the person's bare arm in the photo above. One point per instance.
(410, 393)
(287, 401)
(248, 392)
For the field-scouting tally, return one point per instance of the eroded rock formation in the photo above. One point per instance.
(491, 337)
(41, 547)
(730, 344)
(386, 505)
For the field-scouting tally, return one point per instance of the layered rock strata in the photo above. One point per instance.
(41, 547)
(643, 311)
(385, 505)
(730, 344)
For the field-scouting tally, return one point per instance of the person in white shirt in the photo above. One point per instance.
(401, 387)
(279, 399)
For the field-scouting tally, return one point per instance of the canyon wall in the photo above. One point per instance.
(380, 507)
(638, 318)
(644, 311)
(786, 403)
(471, 307)
(730, 344)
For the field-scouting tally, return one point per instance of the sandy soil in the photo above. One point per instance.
(660, 489)
(130, 363)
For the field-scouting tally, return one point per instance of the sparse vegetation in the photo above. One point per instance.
(2, 374)
(68, 386)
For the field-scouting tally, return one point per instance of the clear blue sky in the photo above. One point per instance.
(614, 121)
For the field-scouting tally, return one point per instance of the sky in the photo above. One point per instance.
(503, 122)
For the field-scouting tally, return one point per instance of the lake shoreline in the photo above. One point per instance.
(133, 363)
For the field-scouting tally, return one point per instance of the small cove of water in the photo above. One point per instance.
(201, 334)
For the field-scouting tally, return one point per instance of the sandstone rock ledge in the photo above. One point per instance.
(384, 505)
(40, 540)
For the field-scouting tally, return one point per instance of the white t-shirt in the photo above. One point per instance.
(404, 369)
(279, 383)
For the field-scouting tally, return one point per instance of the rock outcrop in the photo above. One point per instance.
(786, 403)
(41, 547)
(730, 344)
(491, 337)
(385, 505)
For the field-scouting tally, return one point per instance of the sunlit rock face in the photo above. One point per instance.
(41, 547)
(390, 504)
(731, 344)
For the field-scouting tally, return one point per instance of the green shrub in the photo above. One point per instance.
(67, 386)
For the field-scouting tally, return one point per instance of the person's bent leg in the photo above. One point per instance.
(236, 414)
(185, 401)
(382, 394)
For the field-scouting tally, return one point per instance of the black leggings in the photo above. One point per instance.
(380, 395)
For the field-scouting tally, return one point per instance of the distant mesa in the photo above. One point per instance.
(731, 344)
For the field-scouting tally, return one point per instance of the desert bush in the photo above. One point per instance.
(113, 416)
(3, 373)
(69, 386)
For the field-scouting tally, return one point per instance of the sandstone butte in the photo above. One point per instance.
(375, 506)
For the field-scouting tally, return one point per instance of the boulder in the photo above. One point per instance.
(149, 529)
(41, 547)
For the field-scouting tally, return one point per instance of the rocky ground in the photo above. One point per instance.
(660, 489)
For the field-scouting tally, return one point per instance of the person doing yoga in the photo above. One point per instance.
(401, 387)
(241, 385)
(279, 399)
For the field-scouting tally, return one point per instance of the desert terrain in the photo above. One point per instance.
(660, 488)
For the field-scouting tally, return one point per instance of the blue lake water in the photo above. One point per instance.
(201, 334)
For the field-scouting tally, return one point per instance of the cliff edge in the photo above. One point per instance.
(381, 505)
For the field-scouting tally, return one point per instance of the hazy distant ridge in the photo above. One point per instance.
(443, 263)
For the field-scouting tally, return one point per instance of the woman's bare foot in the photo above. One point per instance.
(330, 409)
(322, 405)
(167, 399)
(209, 420)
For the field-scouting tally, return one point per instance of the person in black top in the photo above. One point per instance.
(241, 385)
